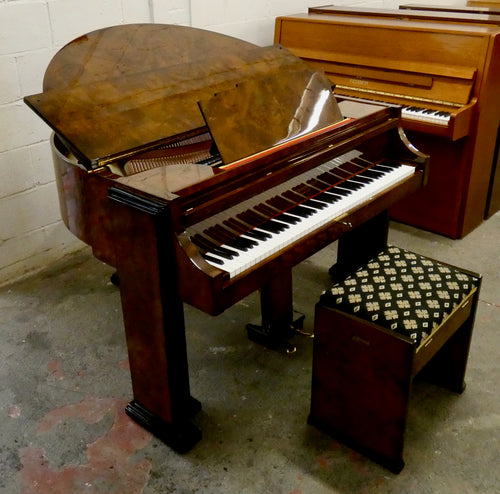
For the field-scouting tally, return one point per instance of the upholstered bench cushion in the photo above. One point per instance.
(402, 291)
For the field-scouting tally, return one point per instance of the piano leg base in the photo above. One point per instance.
(276, 338)
(181, 437)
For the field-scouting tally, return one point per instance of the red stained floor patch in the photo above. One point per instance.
(109, 468)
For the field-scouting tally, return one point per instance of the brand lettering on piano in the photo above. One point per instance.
(359, 82)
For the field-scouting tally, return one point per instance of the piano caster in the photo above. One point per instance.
(275, 338)
(181, 437)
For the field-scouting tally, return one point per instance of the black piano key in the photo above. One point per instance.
(330, 178)
(293, 196)
(249, 243)
(383, 168)
(312, 203)
(210, 246)
(258, 235)
(359, 178)
(372, 174)
(247, 230)
(361, 161)
(350, 167)
(349, 184)
(261, 222)
(215, 235)
(248, 218)
(328, 197)
(306, 190)
(319, 184)
(280, 203)
(340, 173)
(301, 211)
(389, 164)
(340, 191)
(232, 240)
(271, 226)
(267, 210)
(288, 218)
(276, 226)
(213, 259)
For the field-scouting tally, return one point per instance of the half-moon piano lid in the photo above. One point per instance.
(123, 89)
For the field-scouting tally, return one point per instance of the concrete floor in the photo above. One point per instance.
(64, 383)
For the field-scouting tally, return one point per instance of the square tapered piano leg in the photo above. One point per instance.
(181, 437)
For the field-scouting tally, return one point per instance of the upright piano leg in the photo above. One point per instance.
(279, 320)
(154, 322)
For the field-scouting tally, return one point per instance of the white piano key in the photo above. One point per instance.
(426, 115)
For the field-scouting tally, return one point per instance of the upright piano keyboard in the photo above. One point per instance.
(163, 168)
(444, 74)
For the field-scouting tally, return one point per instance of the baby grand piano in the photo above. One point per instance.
(444, 74)
(204, 168)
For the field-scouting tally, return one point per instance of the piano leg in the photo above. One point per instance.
(358, 246)
(279, 320)
(154, 322)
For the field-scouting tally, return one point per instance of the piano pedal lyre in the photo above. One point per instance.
(277, 338)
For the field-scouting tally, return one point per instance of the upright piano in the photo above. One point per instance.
(444, 74)
(204, 168)
(482, 13)
(491, 8)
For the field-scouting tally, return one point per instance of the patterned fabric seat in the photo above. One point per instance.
(399, 315)
(402, 291)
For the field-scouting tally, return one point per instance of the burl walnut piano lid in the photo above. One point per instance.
(124, 89)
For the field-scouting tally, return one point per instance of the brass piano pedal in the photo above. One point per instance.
(307, 334)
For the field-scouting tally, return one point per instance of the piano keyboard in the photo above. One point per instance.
(426, 115)
(280, 216)
(418, 113)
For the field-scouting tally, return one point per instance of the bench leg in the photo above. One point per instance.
(447, 368)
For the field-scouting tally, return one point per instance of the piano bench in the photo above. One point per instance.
(399, 315)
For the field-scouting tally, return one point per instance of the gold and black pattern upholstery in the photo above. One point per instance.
(402, 291)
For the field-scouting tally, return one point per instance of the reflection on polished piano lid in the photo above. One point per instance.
(121, 90)
(165, 179)
(267, 111)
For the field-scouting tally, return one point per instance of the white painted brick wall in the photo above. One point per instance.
(31, 31)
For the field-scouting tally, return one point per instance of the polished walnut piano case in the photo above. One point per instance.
(128, 90)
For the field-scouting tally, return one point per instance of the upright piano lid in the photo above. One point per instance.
(123, 89)
(270, 111)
